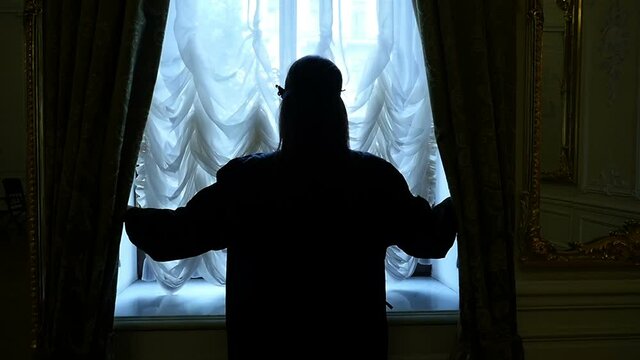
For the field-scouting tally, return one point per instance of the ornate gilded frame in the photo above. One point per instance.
(33, 45)
(620, 248)
(570, 88)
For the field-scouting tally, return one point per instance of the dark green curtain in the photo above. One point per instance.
(470, 57)
(100, 64)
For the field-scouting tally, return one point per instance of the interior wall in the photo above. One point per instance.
(15, 300)
(588, 313)
(408, 341)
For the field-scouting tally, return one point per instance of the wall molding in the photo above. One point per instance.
(565, 338)
(577, 295)
(425, 357)
(577, 287)
(578, 309)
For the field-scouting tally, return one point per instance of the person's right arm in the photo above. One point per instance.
(187, 231)
(199, 226)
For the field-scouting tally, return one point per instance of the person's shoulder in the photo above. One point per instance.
(376, 169)
(245, 164)
(370, 160)
(251, 159)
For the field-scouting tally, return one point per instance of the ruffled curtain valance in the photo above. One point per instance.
(215, 99)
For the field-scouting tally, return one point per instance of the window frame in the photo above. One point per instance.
(289, 21)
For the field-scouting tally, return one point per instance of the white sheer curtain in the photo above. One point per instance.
(215, 99)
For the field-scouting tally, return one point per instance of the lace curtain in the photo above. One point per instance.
(215, 99)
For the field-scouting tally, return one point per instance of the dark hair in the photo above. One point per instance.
(313, 117)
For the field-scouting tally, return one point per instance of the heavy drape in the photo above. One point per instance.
(469, 50)
(100, 66)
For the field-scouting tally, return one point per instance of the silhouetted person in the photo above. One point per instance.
(306, 230)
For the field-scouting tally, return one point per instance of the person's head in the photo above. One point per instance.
(313, 117)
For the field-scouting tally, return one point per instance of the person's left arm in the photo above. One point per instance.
(419, 229)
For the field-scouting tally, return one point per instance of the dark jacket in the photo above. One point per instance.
(306, 242)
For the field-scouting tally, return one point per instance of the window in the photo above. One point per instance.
(215, 99)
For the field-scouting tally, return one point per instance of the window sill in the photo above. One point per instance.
(200, 305)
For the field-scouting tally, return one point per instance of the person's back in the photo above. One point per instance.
(293, 275)
(306, 234)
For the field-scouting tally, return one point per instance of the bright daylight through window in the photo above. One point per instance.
(215, 99)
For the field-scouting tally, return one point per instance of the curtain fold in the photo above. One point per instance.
(100, 65)
(210, 107)
(470, 56)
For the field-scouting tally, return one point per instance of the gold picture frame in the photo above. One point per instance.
(619, 248)
(566, 33)
(32, 16)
